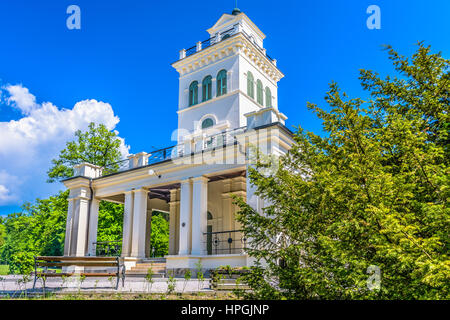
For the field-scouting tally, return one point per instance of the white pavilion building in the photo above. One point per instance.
(228, 101)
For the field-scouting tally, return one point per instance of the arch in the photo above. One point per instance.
(213, 117)
(193, 93)
(222, 82)
(268, 97)
(206, 88)
(208, 122)
(250, 85)
(209, 216)
(259, 92)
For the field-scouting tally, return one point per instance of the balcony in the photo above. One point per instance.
(201, 45)
(194, 145)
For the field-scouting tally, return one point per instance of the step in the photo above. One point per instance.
(146, 270)
(153, 260)
(142, 275)
(149, 265)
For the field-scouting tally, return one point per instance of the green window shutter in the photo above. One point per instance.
(250, 85)
(259, 92)
(268, 97)
(221, 82)
(193, 93)
(206, 84)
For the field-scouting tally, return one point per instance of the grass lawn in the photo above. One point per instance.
(4, 268)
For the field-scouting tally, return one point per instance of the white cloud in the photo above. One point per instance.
(21, 98)
(8, 184)
(27, 145)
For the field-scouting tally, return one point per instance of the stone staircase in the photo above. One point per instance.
(158, 266)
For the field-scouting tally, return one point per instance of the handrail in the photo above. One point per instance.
(216, 243)
(221, 139)
(211, 41)
(108, 248)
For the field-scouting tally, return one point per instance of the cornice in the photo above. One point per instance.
(236, 44)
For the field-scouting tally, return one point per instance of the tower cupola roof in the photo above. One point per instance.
(236, 11)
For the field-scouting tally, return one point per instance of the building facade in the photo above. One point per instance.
(227, 109)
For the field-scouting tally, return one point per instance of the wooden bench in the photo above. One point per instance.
(45, 262)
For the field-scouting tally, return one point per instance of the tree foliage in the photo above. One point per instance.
(372, 191)
(38, 230)
(159, 238)
(97, 146)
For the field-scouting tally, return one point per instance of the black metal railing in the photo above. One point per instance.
(222, 139)
(224, 35)
(108, 248)
(225, 242)
(115, 167)
(162, 155)
(218, 140)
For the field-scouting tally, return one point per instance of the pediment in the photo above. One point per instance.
(224, 20)
(227, 20)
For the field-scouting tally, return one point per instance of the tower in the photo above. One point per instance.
(226, 78)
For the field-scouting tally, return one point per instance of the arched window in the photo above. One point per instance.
(250, 85)
(209, 215)
(259, 92)
(206, 88)
(193, 93)
(221, 82)
(268, 97)
(208, 122)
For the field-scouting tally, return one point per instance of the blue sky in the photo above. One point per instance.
(118, 65)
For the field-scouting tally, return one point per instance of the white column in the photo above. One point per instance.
(127, 223)
(69, 226)
(139, 215)
(93, 224)
(82, 227)
(199, 214)
(148, 232)
(173, 204)
(185, 217)
(74, 231)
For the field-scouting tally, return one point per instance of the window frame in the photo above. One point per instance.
(221, 83)
(193, 93)
(268, 97)
(207, 88)
(250, 85)
(259, 92)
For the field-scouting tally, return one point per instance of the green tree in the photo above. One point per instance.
(38, 230)
(97, 146)
(2, 232)
(159, 237)
(371, 191)
(101, 147)
(110, 221)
